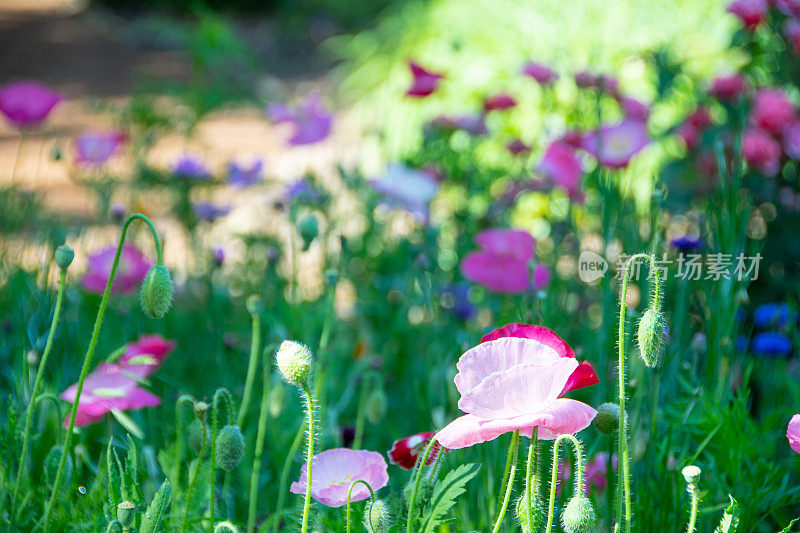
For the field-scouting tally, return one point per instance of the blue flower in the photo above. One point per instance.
(210, 212)
(242, 177)
(775, 314)
(191, 167)
(687, 243)
(771, 344)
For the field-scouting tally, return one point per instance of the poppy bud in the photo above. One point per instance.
(579, 516)
(51, 462)
(309, 229)
(376, 517)
(64, 256)
(534, 521)
(294, 362)
(32, 357)
(126, 512)
(200, 409)
(607, 418)
(375, 406)
(156, 293)
(195, 436)
(691, 474)
(650, 335)
(255, 305)
(230, 447)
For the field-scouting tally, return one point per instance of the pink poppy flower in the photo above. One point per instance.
(541, 276)
(634, 109)
(618, 143)
(728, 88)
(572, 138)
(793, 433)
(772, 111)
(791, 140)
(562, 166)
(312, 121)
(425, 82)
(97, 147)
(499, 102)
(501, 265)
(131, 270)
(473, 124)
(517, 147)
(761, 151)
(143, 357)
(335, 470)
(27, 103)
(105, 389)
(543, 74)
(596, 472)
(512, 384)
(751, 13)
(405, 452)
(583, 376)
(694, 125)
(412, 189)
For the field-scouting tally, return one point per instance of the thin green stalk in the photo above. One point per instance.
(513, 453)
(62, 283)
(554, 475)
(287, 463)
(260, 438)
(361, 414)
(88, 357)
(532, 472)
(193, 479)
(180, 430)
(225, 395)
(421, 462)
(255, 347)
(309, 456)
(350, 494)
(693, 514)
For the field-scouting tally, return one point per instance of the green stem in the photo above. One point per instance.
(90, 352)
(693, 515)
(62, 283)
(532, 473)
(361, 414)
(350, 494)
(255, 347)
(554, 475)
(513, 452)
(260, 438)
(193, 479)
(225, 395)
(287, 463)
(180, 429)
(421, 462)
(309, 456)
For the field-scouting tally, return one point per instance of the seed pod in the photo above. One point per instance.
(607, 418)
(579, 516)
(691, 474)
(309, 229)
(230, 447)
(156, 293)
(294, 362)
(126, 512)
(51, 462)
(64, 256)
(650, 335)
(377, 518)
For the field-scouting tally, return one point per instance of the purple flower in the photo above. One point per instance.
(771, 344)
(634, 109)
(687, 243)
(302, 191)
(243, 177)
(191, 167)
(218, 254)
(425, 82)
(27, 103)
(97, 147)
(562, 166)
(543, 74)
(615, 145)
(210, 212)
(517, 147)
(131, 270)
(499, 102)
(335, 471)
(412, 189)
(455, 298)
(473, 124)
(312, 121)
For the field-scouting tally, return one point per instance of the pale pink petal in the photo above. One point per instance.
(793, 433)
(564, 416)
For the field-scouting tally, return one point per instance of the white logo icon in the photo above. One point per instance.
(591, 266)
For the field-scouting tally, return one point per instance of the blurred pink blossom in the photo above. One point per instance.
(542, 276)
(499, 102)
(27, 103)
(615, 145)
(517, 147)
(501, 264)
(335, 471)
(772, 110)
(97, 147)
(311, 120)
(793, 433)
(761, 151)
(144, 356)
(751, 13)
(791, 140)
(728, 88)
(634, 109)
(543, 74)
(692, 128)
(424, 83)
(791, 29)
(475, 125)
(131, 270)
(596, 473)
(562, 166)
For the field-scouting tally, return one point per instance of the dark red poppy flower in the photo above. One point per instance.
(404, 452)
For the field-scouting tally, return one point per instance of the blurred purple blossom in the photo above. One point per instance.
(242, 177)
(312, 121)
(191, 167)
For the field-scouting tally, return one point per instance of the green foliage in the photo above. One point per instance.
(730, 519)
(157, 508)
(445, 493)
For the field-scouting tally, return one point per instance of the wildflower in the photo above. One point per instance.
(405, 452)
(335, 471)
(499, 102)
(218, 255)
(751, 13)
(694, 125)
(562, 166)
(634, 109)
(190, 167)
(596, 473)
(209, 212)
(791, 140)
(793, 433)
(424, 83)
(410, 188)
(615, 145)
(144, 356)
(687, 243)
(773, 314)
(772, 111)
(512, 384)
(501, 264)
(132, 268)
(771, 344)
(242, 177)
(312, 121)
(302, 191)
(517, 147)
(728, 88)
(542, 276)
(475, 125)
(455, 299)
(791, 29)
(543, 74)
(27, 103)
(761, 151)
(97, 147)
(585, 79)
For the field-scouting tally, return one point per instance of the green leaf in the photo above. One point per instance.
(788, 529)
(131, 469)
(128, 423)
(156, 509)
(445, 493)
(123, 484)
(114, 483)
(730, 519)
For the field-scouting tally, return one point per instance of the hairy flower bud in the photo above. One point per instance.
(294, 362)
(375, 406)
(64, 256)
(126, 512)
(230, 447)
(156, 293)
(376, 517)
(309, 229)
(51, 467)
(607, 418)
(255, 305)
(533, 522)
(579, 516)
(650, 335)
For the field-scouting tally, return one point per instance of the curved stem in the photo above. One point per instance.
(310, 456)
(421, 462)
(554, 475)
(90, 352)
(179, 427)
(532, 473)
(224, 395)
(260, 437)
(194, 478)
(513, 452)
(255, 347)
(62, 283)
(350, 494)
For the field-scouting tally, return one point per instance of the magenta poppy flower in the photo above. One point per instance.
(335, 471)
(424, 83)
(772, 111)
(499, 102)
(410, 188)
(584, 374)
(585, 79)
(596, 472)
(27, 103)
(131, 270)
(97, 147)
(694, 125)
(562, 166)
(728, 88)
(312, 121)
(788, 7)
(510, 384)
(793, 433)
(761, 151)
(791, 29)
(615, 145)
(143, 357)
(543, 74)
(475, 125)
(107, 388)
(634, 109)
(405, 452)
(501, 264)
(751, 13)
(241, 176)
(517, 147)
(542, 276)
